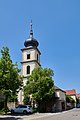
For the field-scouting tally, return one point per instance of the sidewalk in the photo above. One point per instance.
(29, 116)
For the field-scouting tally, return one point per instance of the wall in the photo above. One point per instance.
(60, 103)
(60, 94)
(33, 55)
(11, 105)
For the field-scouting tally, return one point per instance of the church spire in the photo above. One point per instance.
(31, 31)
(31, 41)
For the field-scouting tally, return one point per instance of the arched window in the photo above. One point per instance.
(37, 57)
(28, 69)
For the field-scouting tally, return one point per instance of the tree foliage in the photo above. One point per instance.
(69, 99)
(78, 100)
(40, 84)
(10, 80)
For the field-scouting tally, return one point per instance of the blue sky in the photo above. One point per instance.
(56, 26)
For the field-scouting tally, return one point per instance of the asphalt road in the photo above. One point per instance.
(68, 115)
(73, 114)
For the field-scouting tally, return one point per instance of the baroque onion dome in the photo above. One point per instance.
(31, 41)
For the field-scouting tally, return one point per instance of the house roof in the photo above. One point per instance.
(70, 92)
(57, 88)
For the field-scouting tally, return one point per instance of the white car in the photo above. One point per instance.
(22, 109)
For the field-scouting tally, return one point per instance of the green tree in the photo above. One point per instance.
(39, 84)
(78, 100)
(69, 99)
(10, 80)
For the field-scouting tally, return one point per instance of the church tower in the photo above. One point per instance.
(30, 57)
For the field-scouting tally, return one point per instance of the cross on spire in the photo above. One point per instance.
(31, 31)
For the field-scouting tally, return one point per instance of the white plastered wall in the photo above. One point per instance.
(33, 55)
(28, 62)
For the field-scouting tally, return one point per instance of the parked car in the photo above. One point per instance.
(22, 109)
(78, 105)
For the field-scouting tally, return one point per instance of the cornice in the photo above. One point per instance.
(29, 48)
(31, 61)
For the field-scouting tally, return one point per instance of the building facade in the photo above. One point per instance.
(72, 93)
(55, 104)
(60, 103)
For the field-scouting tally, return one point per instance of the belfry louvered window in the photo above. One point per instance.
(28, 56)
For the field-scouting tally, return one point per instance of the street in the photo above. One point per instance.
(73, 114)
(68, 115)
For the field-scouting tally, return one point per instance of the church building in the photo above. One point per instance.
(30, 59)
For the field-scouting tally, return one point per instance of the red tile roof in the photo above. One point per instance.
(70, 92)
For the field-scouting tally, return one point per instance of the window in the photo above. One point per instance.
(28, 56)
(22, 106)
(28, 69)
(37, 57)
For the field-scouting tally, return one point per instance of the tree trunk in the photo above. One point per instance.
(45, 106)
(5, 104)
